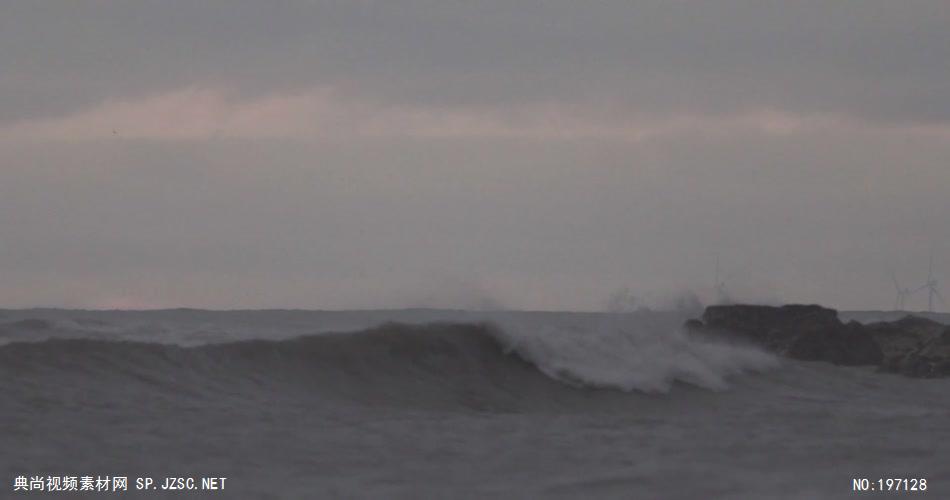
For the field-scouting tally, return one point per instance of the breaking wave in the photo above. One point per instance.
(634, 357)
(472, 364)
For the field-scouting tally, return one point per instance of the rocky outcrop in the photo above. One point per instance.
(912, 346)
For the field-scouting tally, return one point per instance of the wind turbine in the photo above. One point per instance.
(902, 293)
(722, 296)
(931, 287)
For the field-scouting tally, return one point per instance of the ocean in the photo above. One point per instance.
(446, 404)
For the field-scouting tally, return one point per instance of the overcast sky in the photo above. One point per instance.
(354, 153)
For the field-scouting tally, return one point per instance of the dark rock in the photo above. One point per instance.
(901, 338)
(774, 328)
(753, 318)
(931, 360)
(912, 346)
(843, 345)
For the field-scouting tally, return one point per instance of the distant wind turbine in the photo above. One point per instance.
(719, 285)
(931, 286)
(902, 293)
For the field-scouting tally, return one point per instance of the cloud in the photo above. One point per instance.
(869, 60)
(349, 153)
(194, 114)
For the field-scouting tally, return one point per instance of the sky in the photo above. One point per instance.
(513, 154)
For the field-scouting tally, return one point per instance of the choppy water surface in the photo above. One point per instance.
(293, 404)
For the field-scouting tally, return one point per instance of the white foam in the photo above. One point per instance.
(630, 355)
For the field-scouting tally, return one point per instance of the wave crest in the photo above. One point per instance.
(634, 356)
(474, 361)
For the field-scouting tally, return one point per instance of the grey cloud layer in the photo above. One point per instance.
(361, 154)
(874, 59)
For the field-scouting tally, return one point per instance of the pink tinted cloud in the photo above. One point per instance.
(195, 114)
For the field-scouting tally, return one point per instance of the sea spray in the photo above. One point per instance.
(627, 353)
